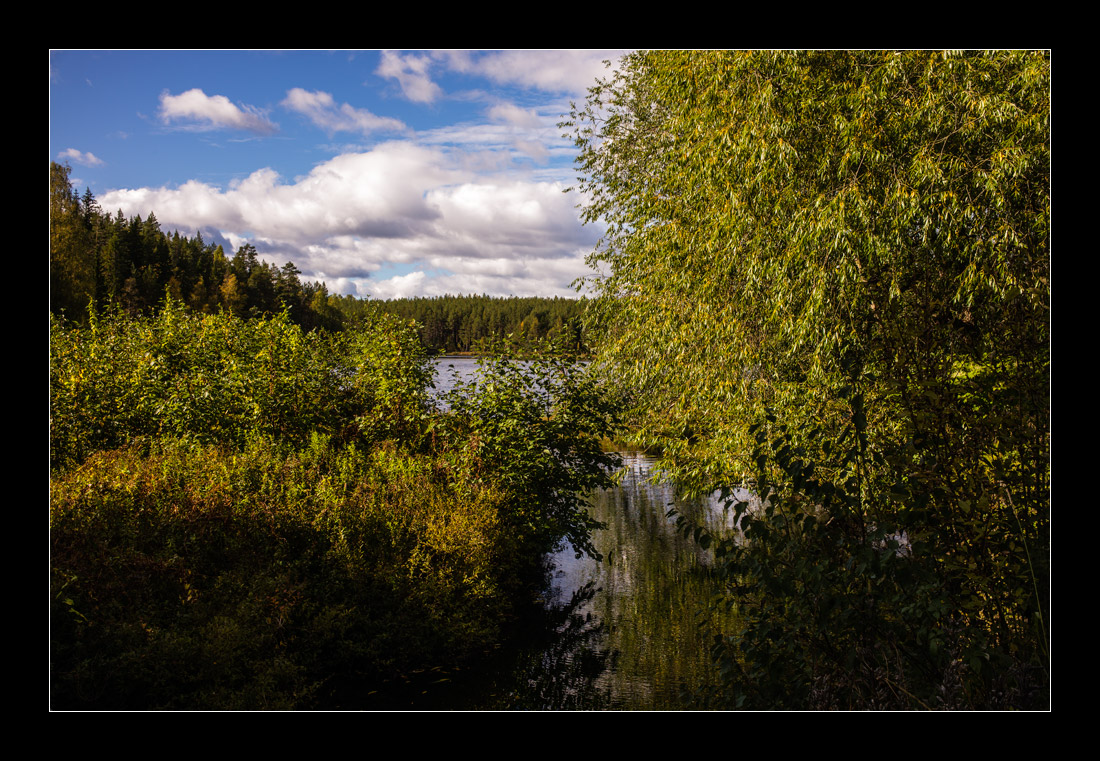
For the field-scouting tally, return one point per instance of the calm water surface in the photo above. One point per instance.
(628, 633)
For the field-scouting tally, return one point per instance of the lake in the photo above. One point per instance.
(628, 633)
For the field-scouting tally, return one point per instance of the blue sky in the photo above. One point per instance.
(382, 173)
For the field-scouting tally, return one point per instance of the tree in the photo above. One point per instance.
(533, 429)
(244, 261)
(233, 298)
(827, 274)
(288, 288)
(72, 257)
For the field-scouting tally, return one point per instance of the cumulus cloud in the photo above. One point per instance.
(201, 111)
(411, 73)
(400, 287)
(320, 108)
(396, 203)
(519, 216)
(75, 156)
(569, 72)
(379, 193)
(495, 277)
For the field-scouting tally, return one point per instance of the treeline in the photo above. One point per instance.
(96, 258)
(453, 324)
(99, 259)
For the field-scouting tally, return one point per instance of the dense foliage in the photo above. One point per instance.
(97, 260)
(190, 576)
(535, 427)
(245, 514)
(827, 275)
(452, 324)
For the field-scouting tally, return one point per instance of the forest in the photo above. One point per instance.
(131, 264)
(467, 324)
(824, 277)
(254, 502)
(97, 259)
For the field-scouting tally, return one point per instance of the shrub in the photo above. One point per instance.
(533, 428)
(219, 378)
(196, 577)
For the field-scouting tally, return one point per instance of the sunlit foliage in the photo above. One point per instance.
(827, 275)
(245, 514)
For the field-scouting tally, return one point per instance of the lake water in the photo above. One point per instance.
(628, 633)
(449, 370)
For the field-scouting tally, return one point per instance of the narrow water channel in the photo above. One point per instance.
(631, 632)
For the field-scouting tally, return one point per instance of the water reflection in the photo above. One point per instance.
(629, 633)
(563, 669)
(632, 632)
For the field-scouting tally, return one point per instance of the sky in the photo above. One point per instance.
(384, 174)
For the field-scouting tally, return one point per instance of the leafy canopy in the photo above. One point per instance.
(828, 274)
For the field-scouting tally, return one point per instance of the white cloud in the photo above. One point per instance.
(560, 71)
(85, 159)
(509, 113)
(400, 203)
(400, 287)
(516, 133)
(323, 111)
(411, 72)
(495, 277)
(374, 194)
(212, 112)
(519, 216)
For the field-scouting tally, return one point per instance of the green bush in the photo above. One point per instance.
(860, 591)
(533, 428)
(192, 576)
(244, 515)
(219, 378)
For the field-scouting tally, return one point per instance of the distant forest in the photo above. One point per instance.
(463, 323)
(132, 265)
